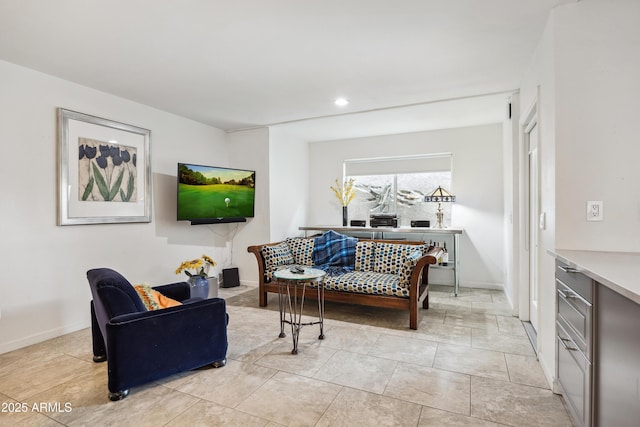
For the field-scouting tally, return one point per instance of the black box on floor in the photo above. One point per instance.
(230, 278)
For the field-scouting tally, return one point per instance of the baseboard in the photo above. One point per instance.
(250, 283)
(547, 373)
(41, 336)
(474, 285)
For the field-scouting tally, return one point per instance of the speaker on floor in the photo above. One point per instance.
(230, 278)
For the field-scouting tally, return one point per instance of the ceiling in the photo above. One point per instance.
(248, 63)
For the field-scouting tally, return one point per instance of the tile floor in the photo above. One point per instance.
(469, 363)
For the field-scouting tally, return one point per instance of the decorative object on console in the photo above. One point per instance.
(104, 171)
(198, 281)
(421, 223)
(345, 193)
(440, 195)
(384, 220)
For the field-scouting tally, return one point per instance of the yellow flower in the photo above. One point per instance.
(208, 260)
(345, 192)
(200, 266)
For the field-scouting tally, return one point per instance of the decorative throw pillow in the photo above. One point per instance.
(389, 257)
(301, 249)
(408, 263)
(365, 252)
(152, 299)
(276, 255)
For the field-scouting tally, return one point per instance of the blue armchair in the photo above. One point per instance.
(142, 346)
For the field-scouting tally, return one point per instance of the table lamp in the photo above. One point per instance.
(440, 195)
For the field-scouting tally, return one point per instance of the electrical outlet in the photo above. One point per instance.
(594, 211)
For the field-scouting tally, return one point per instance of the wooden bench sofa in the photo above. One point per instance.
(391, 274)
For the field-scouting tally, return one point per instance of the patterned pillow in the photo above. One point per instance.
(301, 249)
(365, 252)
(409, 262)
(389, 257)
(276, 255)
(152, 299)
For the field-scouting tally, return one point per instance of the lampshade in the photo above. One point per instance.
(440, 195)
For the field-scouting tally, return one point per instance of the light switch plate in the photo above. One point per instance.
(594, 211)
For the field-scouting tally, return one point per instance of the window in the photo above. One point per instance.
(398, 185)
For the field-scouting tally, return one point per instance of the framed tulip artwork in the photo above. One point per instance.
(104, 171)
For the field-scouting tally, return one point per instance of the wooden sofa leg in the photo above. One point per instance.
(413, 317)
(425, 302)
(263, 298)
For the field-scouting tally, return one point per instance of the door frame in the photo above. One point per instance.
(533, 218)
(526, 123)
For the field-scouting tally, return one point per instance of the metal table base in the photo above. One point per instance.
(291, 293)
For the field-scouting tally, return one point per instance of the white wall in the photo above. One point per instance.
(249, 149)
(585, 77)
(43, 286)
(538, 88)
(477, 182)
(510, 154)
(597, 57)
(289, 179)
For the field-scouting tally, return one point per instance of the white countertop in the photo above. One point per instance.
(619, 271)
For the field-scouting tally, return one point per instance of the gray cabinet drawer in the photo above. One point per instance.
(574, 377)
(578, 282)
(576, 313)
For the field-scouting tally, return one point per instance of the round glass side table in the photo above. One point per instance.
(290, 284)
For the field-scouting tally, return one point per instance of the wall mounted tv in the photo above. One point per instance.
(211, 195)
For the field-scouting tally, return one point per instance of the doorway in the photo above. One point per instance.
(534, 213)
(532, 222)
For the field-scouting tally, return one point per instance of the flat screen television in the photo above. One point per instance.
(210, 194)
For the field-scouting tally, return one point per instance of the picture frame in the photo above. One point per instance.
(104, 170)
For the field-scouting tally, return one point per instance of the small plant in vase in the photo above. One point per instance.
(198, 271)
(345, 193)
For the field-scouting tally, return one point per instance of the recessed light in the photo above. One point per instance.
(341, 102)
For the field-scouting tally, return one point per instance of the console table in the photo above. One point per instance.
(379, 233)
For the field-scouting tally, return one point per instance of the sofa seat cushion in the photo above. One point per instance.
(366, 282)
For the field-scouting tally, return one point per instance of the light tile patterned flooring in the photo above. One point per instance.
(469, 364)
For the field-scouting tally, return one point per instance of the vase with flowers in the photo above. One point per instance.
(198, 271)
(345, 193)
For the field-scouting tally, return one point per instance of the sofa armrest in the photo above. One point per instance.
(178, 291)
(420, 274)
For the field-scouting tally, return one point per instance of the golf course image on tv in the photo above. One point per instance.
(208, 192)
